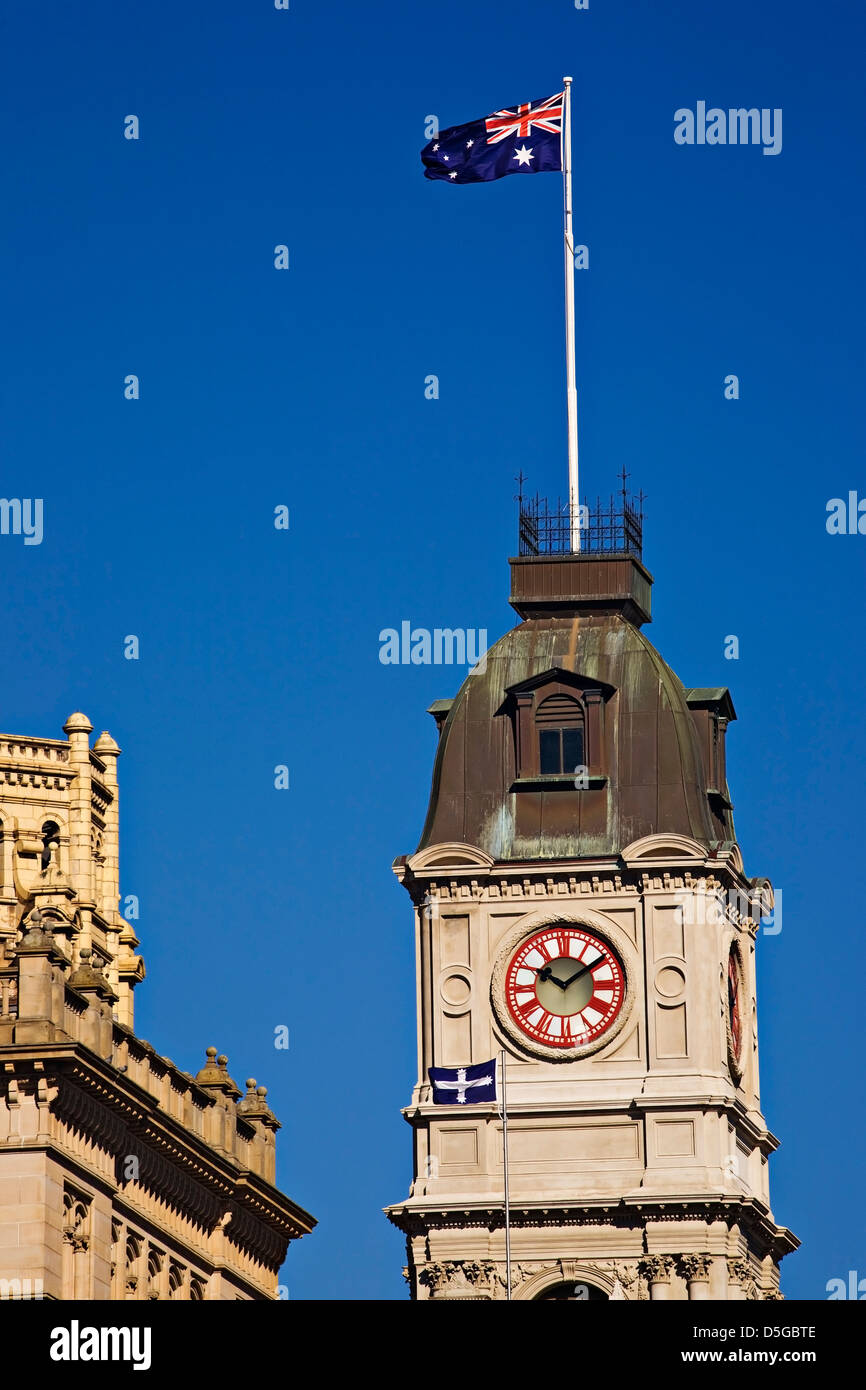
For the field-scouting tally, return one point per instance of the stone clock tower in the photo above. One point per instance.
(581, 902)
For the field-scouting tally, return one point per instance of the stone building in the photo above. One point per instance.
(583, 915)
(121, 1176)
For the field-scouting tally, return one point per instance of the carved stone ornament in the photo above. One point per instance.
(458, 1276)
(695, 1267)
(657, 1269)
(629, 1277)
(521, 1272)
(740, 1272)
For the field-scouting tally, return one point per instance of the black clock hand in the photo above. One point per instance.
(582, 971)
(544, 972)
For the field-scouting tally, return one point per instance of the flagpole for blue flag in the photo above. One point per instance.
(571, 387)
(505, 1169)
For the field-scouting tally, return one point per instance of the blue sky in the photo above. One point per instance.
(306, 388)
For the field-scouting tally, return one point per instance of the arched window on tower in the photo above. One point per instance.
(50, 835)
(560, 724)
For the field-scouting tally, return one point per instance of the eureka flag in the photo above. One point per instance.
(525, 139)
(459, 1085)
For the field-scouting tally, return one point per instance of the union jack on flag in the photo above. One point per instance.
(546, 115)
(521, 139)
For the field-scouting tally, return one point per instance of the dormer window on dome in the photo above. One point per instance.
(558, 721)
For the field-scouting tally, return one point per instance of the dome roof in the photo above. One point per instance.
(655, 751)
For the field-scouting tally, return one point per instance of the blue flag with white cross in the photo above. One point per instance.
(463, 1085)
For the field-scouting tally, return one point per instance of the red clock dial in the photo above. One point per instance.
(564, 986)
(734, 1018)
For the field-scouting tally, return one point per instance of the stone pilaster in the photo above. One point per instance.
(40, 980)
(78, 729)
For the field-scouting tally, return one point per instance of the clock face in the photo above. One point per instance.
(735, 1020)
(564, 987)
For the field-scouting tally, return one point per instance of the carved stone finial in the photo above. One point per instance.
(106, 746)
(38, 938)
(35, 928)
(214, 1074)
(90, 975)
(78, 723)
(254, 1107)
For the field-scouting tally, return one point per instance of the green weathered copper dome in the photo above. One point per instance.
(654, 751)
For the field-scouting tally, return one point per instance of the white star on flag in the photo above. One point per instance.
(523, 155)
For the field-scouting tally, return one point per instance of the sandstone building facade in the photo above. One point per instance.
(581, 904)
(121, 1176)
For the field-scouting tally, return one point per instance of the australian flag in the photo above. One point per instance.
(463, 1085)
(525, 139)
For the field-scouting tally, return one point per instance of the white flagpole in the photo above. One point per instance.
(571, 387)
(505, 1169)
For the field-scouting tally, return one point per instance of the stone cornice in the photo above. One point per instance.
(36, 775)
(178, 1164)
(416, 1217)
(565, 880)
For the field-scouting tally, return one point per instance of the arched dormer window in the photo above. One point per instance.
(559, 728)
(560, 724)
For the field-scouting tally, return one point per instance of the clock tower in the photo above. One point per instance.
(581, 905)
